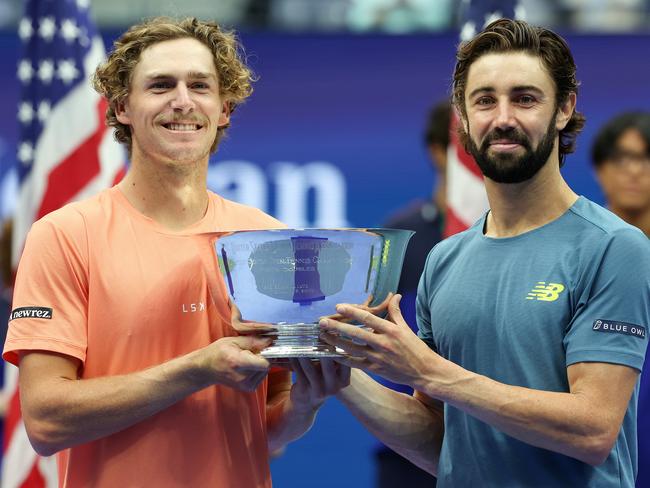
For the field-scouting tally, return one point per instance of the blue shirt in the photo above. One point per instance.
(520, 310)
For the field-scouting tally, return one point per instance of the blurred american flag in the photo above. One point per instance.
(65, 153)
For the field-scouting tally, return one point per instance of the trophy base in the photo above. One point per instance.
(293, 352)
(299, 341)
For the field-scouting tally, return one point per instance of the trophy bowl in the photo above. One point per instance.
(287, 279)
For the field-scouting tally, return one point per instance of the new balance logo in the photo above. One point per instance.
(31, 313)
(546, 292)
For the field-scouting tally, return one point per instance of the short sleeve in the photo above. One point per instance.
(49, 309)
(613, 313)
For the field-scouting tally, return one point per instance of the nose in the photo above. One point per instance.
(504, 115)
(638, 166)
(182, 101)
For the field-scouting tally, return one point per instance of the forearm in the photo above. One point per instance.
(285, 422)
(582, 423)
(400, 421)
(573, 424)
(60, 410)
(65, 411)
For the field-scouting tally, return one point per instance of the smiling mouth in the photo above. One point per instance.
(176, 127)
(504, 144)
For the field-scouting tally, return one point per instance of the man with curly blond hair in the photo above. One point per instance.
(533, 323)
(130, 367)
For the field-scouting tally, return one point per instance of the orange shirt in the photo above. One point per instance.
(126, 294)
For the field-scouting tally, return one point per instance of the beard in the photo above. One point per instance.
(506, 167)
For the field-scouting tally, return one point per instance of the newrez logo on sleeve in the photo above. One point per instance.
(615, 327)
(31, 313)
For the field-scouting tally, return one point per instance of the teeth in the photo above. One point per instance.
(183, 127)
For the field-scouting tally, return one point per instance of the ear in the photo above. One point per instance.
(224, 118)
(465, 125)
(122, 112)
(565, 111)
(463, 120)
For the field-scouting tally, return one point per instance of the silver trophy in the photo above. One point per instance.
(288, 279)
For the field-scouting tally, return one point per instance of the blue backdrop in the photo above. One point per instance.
(332, 135)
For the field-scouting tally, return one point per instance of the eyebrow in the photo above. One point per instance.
(193, 75)
(516, 89)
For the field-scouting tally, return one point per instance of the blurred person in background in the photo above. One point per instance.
(427, 219)
(621, 158)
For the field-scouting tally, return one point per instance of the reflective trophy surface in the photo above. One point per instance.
(288, 279)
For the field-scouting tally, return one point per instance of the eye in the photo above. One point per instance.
(200, 85)
(484, 101)
(526, 100)
(161, 85)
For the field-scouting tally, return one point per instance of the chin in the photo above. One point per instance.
(637, 207)
(632, 205)
(187, 155)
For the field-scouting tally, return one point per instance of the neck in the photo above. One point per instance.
(521, 207)
(175, 196)
(640, 219)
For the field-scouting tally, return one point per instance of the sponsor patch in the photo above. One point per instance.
(546, 292)
(615, 327)
(31, 313)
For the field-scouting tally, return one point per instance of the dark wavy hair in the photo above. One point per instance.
(112, 79)
(506, 35)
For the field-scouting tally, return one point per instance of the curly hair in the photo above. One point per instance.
(506, 35)
(112, 79)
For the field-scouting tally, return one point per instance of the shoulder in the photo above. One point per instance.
(237, 216)
(606, 230)
(71, 219)
(458, 242)
(599, 219)
(64, 235)
(599, 249)
(448, 251)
